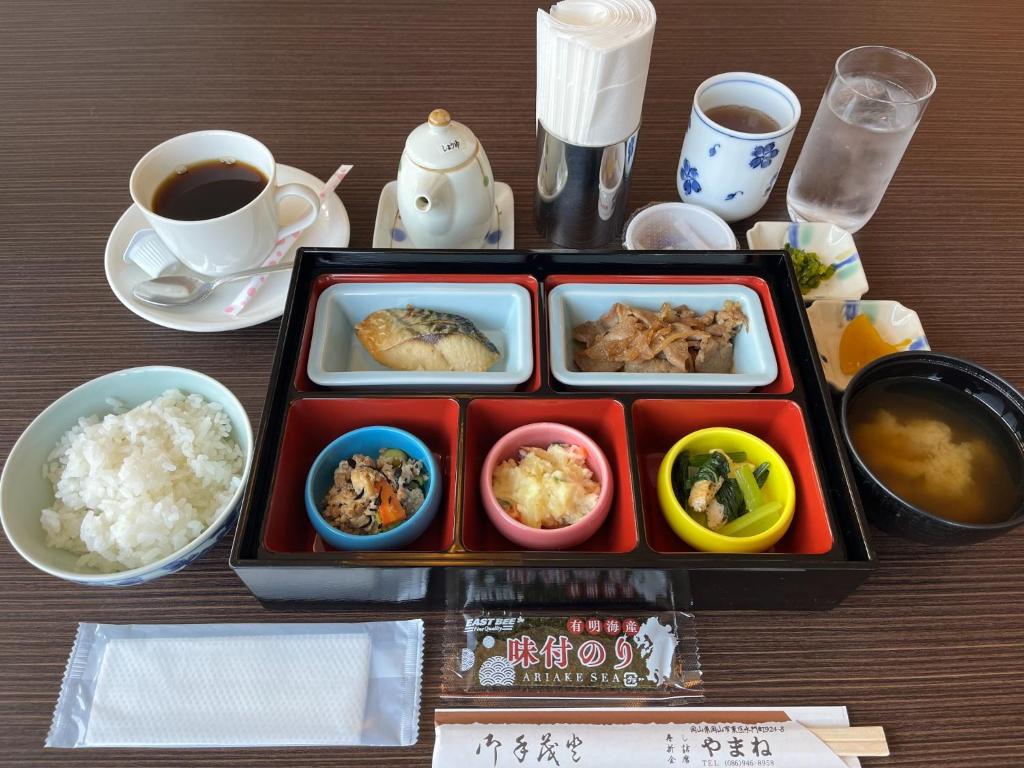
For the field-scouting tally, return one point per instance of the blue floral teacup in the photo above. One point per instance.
(726, 170)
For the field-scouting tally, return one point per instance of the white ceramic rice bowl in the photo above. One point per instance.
(25, 492)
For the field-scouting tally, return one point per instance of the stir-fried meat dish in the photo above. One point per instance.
(671, 340)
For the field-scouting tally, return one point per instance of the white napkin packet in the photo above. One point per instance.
(241, 685)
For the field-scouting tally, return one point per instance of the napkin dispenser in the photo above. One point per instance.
(581, 195)
(592, 62)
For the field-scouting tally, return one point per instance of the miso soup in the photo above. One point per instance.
(939, 449)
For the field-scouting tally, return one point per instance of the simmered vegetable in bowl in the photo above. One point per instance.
(725, 490)
(374, 495)
(722, 491)
(373, 488)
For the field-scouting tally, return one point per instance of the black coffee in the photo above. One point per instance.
(208, 189)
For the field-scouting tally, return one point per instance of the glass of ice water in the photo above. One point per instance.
(865, 120)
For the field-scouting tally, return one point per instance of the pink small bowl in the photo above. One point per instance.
(541, 435)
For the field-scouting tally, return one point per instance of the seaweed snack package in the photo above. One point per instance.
(628, 657)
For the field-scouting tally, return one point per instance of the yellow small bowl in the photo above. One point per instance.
(779, 487)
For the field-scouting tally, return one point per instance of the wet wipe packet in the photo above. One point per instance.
(241, 685)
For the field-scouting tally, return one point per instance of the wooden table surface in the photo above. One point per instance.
(930, 647)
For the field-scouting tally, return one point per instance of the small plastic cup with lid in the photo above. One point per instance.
(677, 227)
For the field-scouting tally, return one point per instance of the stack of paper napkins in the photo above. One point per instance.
(592, 60)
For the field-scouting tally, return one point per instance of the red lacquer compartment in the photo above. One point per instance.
(659, 424)
(303, 383)
(312, 423)
(783, 383)
(603, 420)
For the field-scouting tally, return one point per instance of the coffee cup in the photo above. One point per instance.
(235, 239)
(732, 168)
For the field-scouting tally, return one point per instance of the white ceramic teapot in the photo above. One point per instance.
(445, 188)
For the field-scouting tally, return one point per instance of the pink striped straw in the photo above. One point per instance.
(281, 247)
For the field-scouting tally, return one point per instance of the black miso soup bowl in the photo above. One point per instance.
(885, 509)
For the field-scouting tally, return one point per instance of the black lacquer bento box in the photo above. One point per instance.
(635, 558)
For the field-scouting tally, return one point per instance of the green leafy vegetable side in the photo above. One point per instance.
(761, 473)
(716, 466)
(740, 490)
(752, 498)
(700, 458)
(731, 498)
(681, 476)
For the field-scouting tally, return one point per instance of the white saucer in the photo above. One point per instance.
(388, 231)
(330, 230)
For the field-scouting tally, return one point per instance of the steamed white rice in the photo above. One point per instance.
(131, 488)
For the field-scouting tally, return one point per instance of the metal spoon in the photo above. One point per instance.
(179, 290)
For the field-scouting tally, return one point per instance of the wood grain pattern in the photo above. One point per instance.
(930, 647)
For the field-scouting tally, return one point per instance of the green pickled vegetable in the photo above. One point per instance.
(755, 522)
(681, 476)
(810, 271)
(761, 473)
(748, 486)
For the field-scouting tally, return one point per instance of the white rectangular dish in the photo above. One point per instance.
(754, 363)
(501, 311)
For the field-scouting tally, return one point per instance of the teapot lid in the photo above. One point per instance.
(441, 143)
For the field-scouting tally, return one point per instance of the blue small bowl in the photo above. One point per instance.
(369, 441)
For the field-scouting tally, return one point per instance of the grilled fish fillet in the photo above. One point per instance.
(413, 339)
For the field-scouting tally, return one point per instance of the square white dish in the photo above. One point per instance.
(501, 311)
(570, 304)
(829, 318)
(833, 245)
